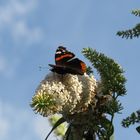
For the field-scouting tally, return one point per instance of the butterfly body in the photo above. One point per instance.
(66, 63)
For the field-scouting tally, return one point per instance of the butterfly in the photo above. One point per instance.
(67, 63)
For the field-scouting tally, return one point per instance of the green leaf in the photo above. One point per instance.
(136, 12)
(130, 33)
(60, 121)
(108, 126)
(67, 134)
(112, 137)
(132, 119)
(111, 72)
(89, 70)
(138, 129)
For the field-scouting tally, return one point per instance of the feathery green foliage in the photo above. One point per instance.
(136, 12)
(111, 73)
(134, 32)
(131, 33)
(132, 119)
(113, 82)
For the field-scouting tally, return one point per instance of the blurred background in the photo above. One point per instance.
(30, 32)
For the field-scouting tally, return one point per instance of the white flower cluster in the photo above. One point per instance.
(65, 93)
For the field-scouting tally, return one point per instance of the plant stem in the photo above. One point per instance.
(77, 132)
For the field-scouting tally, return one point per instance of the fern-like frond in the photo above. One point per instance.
(132, 119)
(136, 12)
(131, 33)
(111, 72)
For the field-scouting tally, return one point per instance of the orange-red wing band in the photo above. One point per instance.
(83, 66)
(63, 56)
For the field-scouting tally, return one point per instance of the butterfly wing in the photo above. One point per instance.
(58, 69)
(77, 66)
(66, 64)
(62, 55)
(72, 68)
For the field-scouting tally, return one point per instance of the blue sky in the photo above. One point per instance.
(30, 32)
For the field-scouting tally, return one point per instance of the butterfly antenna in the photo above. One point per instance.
(41, 67)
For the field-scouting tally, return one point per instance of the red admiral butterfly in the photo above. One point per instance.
(66, 63)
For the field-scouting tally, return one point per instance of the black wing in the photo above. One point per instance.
(74, 66)
(62, 55)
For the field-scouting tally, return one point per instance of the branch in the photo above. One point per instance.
(131, 33)
(132, 119)
(111, 73)
(136, 12)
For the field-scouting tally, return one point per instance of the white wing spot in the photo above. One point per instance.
(58, 52)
